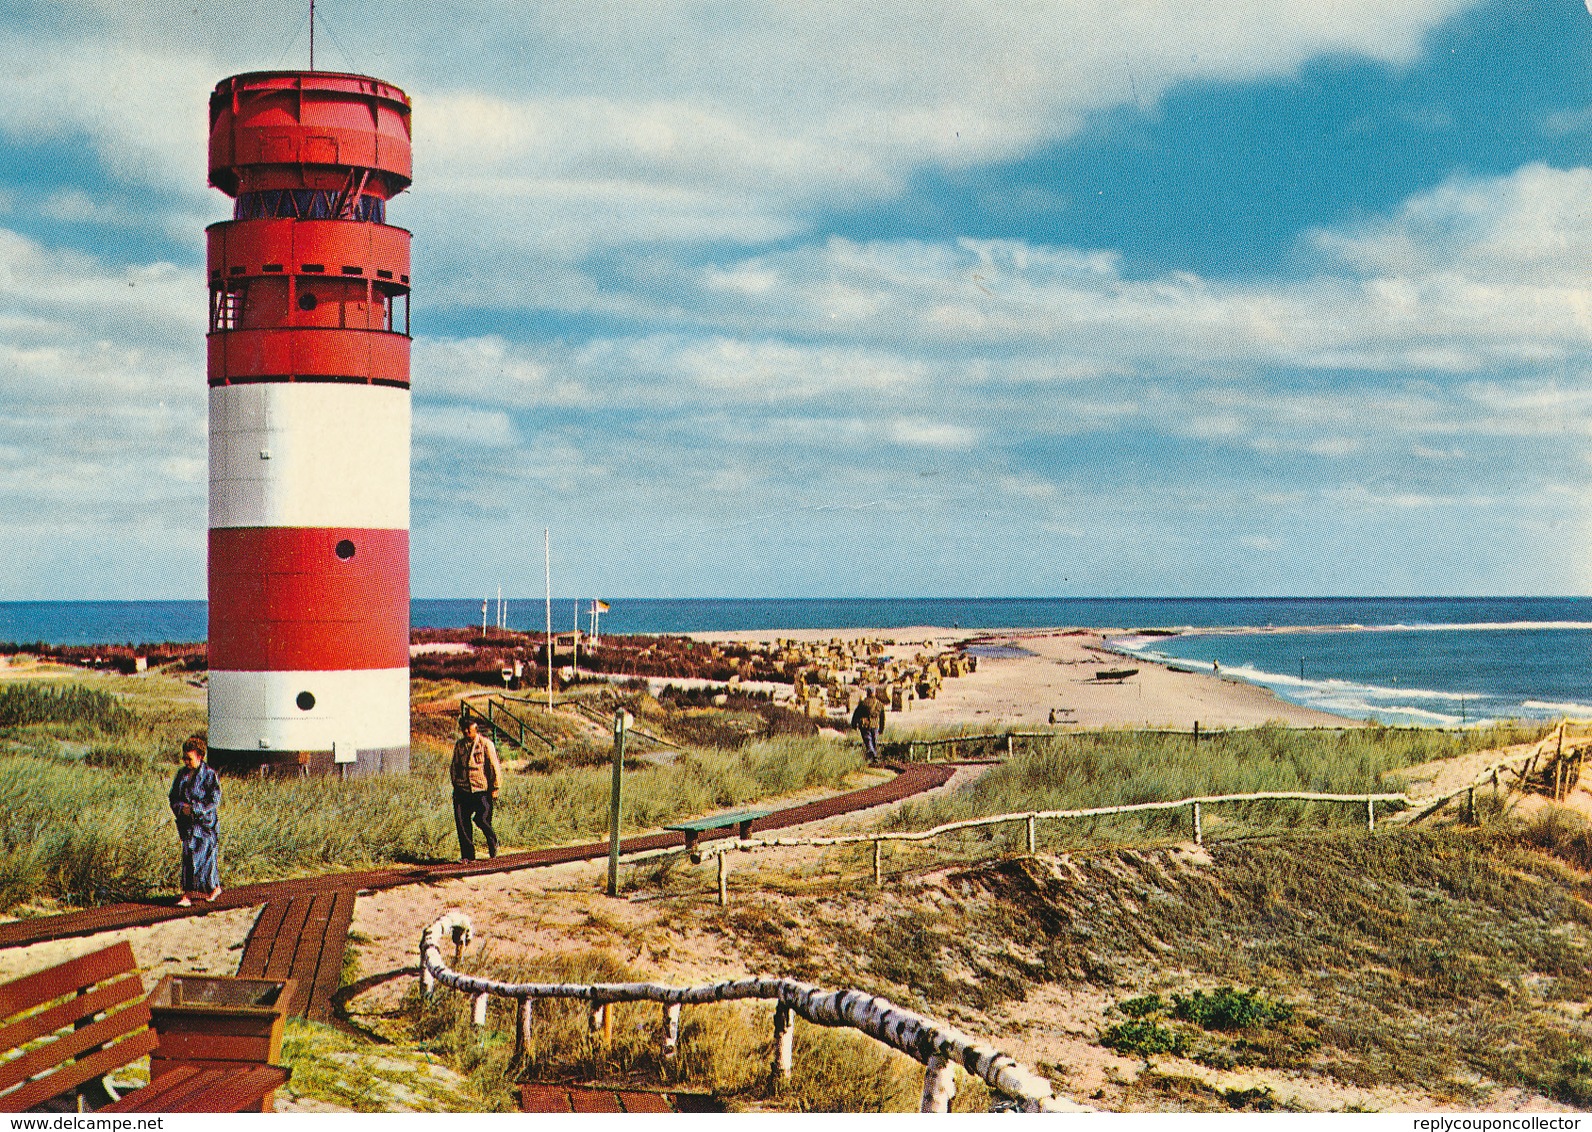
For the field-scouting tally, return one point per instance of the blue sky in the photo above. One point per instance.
(783, 299)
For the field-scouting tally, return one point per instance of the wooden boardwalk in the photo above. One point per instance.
(913, 779)
(582, 1098)
(302, 938)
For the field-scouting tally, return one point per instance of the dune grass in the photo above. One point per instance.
(1116, 768)
(86, 834)
(24, 704)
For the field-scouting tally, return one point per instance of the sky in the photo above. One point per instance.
(786, 299)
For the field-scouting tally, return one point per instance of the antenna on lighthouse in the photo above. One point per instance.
(312, 35)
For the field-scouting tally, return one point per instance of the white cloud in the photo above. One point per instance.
(464, 427)
(578, 125)
(930, 434)
(587, 159)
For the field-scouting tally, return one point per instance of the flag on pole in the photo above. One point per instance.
(602, 606)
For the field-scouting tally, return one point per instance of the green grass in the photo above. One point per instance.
(1114, 768)
(86, 834)
(1448, 960)
(121, 723)
(24, 704)
(339, 1069)
(1414, 957)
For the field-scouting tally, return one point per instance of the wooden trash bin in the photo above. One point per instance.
(218, 1022)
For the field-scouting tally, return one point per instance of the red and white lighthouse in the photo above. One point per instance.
(309, 426)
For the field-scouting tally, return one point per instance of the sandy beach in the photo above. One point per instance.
(1058, 674)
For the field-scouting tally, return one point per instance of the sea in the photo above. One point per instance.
(1424, 660)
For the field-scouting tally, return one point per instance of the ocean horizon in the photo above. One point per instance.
(1439, 661)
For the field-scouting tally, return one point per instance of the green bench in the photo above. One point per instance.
(696, 827)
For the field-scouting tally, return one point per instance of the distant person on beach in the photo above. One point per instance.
(868, 719)
(476, 775)
(196, 804)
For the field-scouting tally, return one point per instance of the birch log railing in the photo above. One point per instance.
(719, 848)
(937, 1046)
(1566, 759)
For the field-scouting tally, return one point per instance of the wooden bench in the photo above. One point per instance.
(83, 1019)
(696, 827)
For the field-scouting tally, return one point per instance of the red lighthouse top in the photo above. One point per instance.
(275, 130)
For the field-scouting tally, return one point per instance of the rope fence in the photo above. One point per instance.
(935, 1045)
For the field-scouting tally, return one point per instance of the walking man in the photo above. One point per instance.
(476, 775)
(868, 719)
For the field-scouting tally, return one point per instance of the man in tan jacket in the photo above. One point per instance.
(869, 720)
(476, 775)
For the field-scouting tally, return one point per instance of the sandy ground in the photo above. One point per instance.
(198, 945)
(1441, 776)
(1060, 676)
(537, 912)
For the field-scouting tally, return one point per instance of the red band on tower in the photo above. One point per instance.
(309, 422)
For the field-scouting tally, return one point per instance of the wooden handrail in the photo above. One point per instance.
(936, 1045)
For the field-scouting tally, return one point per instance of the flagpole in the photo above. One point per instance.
(547, 552)
(576, 639)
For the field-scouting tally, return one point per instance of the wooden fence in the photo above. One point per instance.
(937, 1046)
(1566, 760)
(720, 848)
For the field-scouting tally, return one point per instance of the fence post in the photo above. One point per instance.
(939, 1084)
(1199, 831)
(784, 1041)
(1470, 806)
(1370, 814)
(671, 1029)
(458, 944)
(478, 1009)
(599, 1016)
(1008, 744)
(878, 869)
(1032, 840)
(614, 802)
(522, 1029)
(724, 880)
(428, 981)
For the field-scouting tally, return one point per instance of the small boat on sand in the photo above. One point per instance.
(1117, 674)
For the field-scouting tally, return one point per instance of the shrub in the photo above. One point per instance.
(1229, 1009)
(1574, 1084)
(1142, 1037)
(1144, 1006)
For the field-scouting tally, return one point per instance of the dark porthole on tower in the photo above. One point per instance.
(345, 549)
(305, 701)
(307, 301)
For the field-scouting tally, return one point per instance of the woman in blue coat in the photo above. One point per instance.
(196, 804)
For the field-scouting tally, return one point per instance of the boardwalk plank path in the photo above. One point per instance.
(536, 1097)
(913, 779)
(303, 938)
